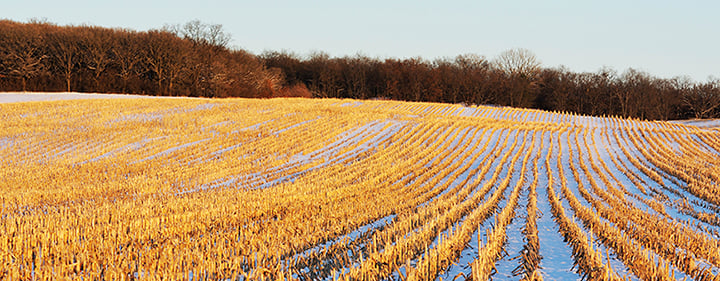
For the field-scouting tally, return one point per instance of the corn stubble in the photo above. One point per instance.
(304, 189)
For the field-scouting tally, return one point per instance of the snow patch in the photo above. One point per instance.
(13, 97)
(700, 123)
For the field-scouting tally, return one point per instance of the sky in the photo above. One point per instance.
(663, 38)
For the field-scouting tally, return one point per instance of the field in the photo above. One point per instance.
(325, 189)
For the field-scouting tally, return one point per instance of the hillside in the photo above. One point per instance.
(326, 189)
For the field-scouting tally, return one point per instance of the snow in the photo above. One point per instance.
(170, 150)
(13, 97)
(377, 131)
(458, 178)
(573, 185)
(351, 104)
(294, 125)
(703, 144)
(349, 237)
(132, 146)
(470, 252)
(5, 142)
(158, 115)
(255, 126)
(700, 123)
(361, 140)
(557, 262)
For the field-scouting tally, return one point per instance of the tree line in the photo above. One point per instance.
(194, 59)
(180, 60)
(514, 78)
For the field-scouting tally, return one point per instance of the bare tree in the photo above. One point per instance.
(633, 85)
(473, 70)
(65, 52)
(208, 44)
(159, 57)
(555, 88)
(22, 52)
(598, 84)
(327, 71)
(201, 33)
(98, 44)
(216, 36)
(248, 76)
(520, 62)
(127, 57)
(666, 99)
(703, 99)
(355, 75)
(522, 68)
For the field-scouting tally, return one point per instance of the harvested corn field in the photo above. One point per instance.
(326, 189)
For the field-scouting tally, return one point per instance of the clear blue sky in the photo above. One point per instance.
(663, 38)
